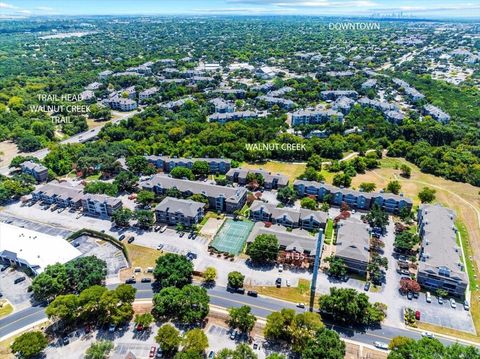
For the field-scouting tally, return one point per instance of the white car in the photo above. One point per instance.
(429, 297)
(428, 335)
(301, 305)
(163, 229)
(466, 305)
(381, 345)
(453, 304)
(287, 283)
(280, 268)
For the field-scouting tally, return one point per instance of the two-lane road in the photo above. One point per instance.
(220, 297)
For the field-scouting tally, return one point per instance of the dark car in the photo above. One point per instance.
(131, 239)
(252, 293)
(121, 238)
(366, 288)
(146, 280)
(240, 290)
(19, 280)
(181, 234)
(278, 282)
(190, 235)
(65, 341)
(130, 281)
(76, 244)
(4, 267)
(410, 295)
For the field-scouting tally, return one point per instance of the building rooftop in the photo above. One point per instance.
(185, 206)
(37, 249)
(294, 214)
(353, 238)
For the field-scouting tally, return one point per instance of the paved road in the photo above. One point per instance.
(261, 307)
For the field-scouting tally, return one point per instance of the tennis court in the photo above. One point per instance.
(232, 236)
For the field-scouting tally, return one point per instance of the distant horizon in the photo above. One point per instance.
(397, 9)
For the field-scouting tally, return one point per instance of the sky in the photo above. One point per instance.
(416, 8)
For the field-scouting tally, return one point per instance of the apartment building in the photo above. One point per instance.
(352, 245)
(436, 113)
(175, 211)
(232, 116)
(63, 194)
(441, 264)
(355, 199)
(100, 205)
(304, 117)
(166, 164)
(280, 102)
(220, 198)
(288, 217)
(271, 180)
(36, 170)
(334, 94)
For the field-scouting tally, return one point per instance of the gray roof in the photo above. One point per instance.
(436, 113)
(232, 115)
(294, 214)
(187, 160)
(267, 176)
(209, 190)
(62, 190)
(102, 198)
(185, 206)
(439, 243)
(33, 166)
(353, 240)
(297, 239)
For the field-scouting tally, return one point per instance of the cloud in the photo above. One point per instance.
(4, 5)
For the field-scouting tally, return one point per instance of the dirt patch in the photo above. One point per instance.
(9, 150)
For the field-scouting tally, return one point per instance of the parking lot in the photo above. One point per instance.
(16, 294)
(219, 338)
(34, 225)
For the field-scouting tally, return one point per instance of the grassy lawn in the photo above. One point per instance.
(329, 231)
(209, 215)
(469, 264)
(448, 331)
(6, 310)
(5, 352)
(140, 256)
(292, 170)
(300, 294)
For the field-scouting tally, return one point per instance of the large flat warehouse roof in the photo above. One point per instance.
(34, 248)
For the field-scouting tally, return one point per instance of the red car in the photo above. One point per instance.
(417, 315)
(139, 328)
(153, 350)
(88, 329)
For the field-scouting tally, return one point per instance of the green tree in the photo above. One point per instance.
(200, 168)
(325, 344)
(235, 279)
(276, 356)
(427, 195)
(145, 319)
(29, 345)
(286, 195)
(406, 240)
(349, 306)
(64, 307)
(195, 341)
(242, 351)
(264, 248)
(145, 218)
(173, 270)
(342, 179)
(50, 283)
(311, 174)
(337, 267)
(303, 329)
(139, 165)
(210, 274)
(377, 217)
(121, 217)
(99, 350)
(125, 181)
(168, 338)
(308, 203)
(182, 172)
(367, 186)
(406, 171)
(84, 272)
(393, 187)
(241, 318)
(145, 197)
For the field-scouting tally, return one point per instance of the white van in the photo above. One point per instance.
(429, 297)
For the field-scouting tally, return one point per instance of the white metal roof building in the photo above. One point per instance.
(32, 249)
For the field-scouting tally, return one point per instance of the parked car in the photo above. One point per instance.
(153, 350)
(366, 287)
(252, 293)
(440, 300)
(130, 281)
(278, 282)
(428, 335)
(410, 295)
(240, 290)
(88, 328)
(76, 244)
(381, 345)
(4, 267)
(139, 328)
(146, 280)
(159, 247)
(121, 238)
(131, 239)
(280, 268)
(112, 328)
(416, 295)
(181, 234)
(233, 335)
(466, 305)
(65, 341)
(453, 304)
(417, 315)
(190, 235)
(163, 229)
(19, 280)
(211, 355)
(287, 283)
(428, 297)
(301, 305)
(156, 228)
